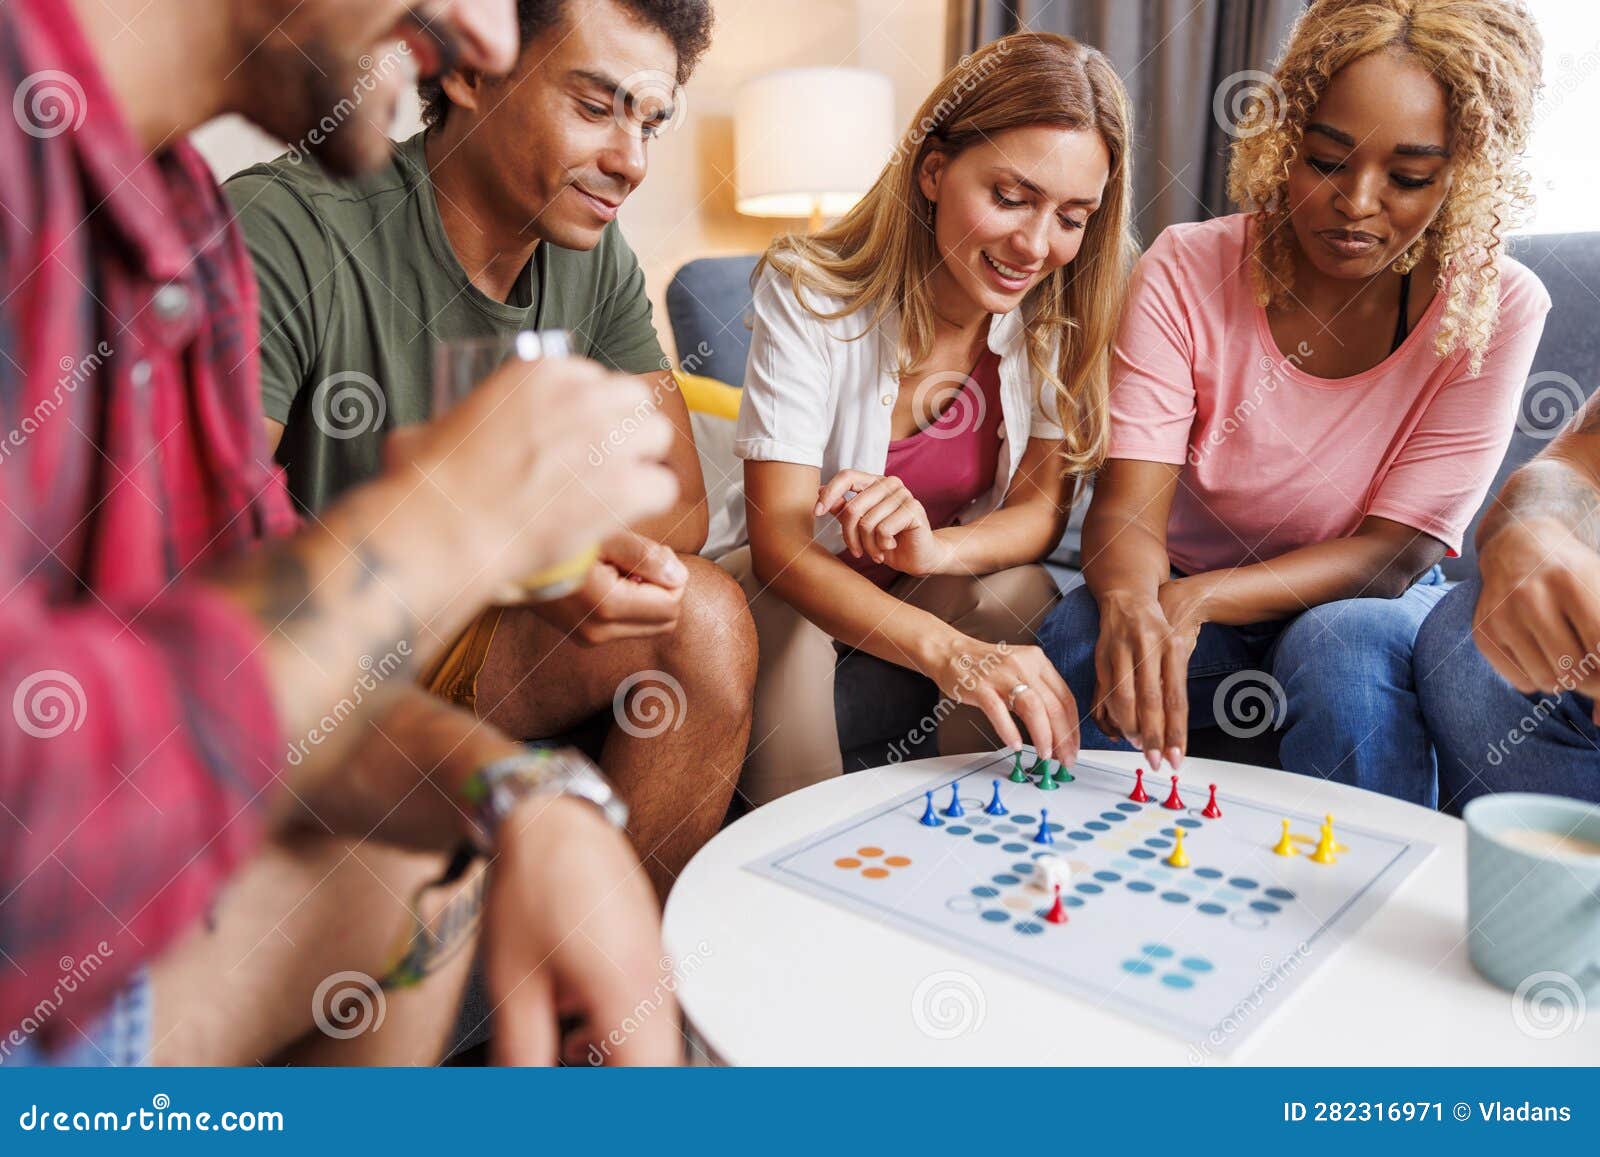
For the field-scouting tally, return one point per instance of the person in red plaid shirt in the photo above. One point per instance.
(219, 788)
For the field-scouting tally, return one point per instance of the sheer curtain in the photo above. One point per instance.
(1185, 63)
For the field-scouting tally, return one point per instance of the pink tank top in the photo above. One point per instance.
(951, 463)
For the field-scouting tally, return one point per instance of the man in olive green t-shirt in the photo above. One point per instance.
(500, 217)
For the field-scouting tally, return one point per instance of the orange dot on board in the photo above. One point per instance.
(869, 852)
(847, 862)
(898, 862)
(874, 873)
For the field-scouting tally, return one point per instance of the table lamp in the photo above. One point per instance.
(809, 142)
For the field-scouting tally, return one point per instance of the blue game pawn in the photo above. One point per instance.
(928, 816)
(1044, 836)
(955, 811)
(996, 808)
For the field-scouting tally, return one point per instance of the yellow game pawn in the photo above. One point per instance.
(1178, 859)
(1324, 852)
(1285, 846)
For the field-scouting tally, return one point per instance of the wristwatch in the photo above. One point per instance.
(495, 789)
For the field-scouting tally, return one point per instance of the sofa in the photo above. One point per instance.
(878, 705)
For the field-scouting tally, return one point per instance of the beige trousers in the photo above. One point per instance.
(794, 740)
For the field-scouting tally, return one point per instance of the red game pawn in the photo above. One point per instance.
(1138, 795)
(1058, 911)
(1211, 811)
(1173, 802)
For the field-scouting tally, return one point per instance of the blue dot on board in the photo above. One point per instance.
(1210, 909)
(1158, 842)
(1265, 906)
(1177, 980)
(1280, 894)
(1228, 895)
(1097, 826)
(1081, 837)
(1243, 883)
(1127, 807)
(1107, 877)
(986, 838)
(1197, 964)
(1156, 951)
(985, 891)
(959, 830)
(1208, 873)
(996, 916)
(1020, 820)
(978, 820)
(1137, 967)
(1072, 901)
(1089, 889)
(1170, 833)
(1186, 823)
(1014, 849)
(1005, 878)
(1175, 897)
(1140, 886)
(1141, 853)
(1123, 864)
(1028, 927)
(1114, 817)
(1022, 869)
(1007, 829)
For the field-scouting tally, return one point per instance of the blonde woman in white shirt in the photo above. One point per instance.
(927, 378)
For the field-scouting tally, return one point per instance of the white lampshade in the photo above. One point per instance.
(810, 139)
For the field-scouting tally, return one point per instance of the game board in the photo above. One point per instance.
(1206, 952)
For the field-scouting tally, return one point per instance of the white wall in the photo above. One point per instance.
(685, 208)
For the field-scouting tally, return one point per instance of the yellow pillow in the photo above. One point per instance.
(708, 396)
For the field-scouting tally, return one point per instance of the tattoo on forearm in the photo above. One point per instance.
(432, 942)
(275, 585)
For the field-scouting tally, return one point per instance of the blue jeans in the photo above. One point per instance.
(1490, 736)
(1337, 680)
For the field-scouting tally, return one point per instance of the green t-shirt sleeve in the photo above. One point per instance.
(626, 336)
(290, 252)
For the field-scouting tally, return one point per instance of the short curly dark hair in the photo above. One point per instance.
(687, 23)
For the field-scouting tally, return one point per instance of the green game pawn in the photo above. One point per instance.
(1046, 783)
(1063, 775)
(1017, 774)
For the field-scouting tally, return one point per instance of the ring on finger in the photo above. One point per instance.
(1019, 689)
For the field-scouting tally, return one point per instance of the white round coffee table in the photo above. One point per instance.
(770, 975)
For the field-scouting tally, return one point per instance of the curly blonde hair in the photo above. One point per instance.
(877, 257)
(1486, 54)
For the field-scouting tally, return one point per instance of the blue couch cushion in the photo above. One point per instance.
(708, 305)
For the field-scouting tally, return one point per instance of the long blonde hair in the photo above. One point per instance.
(879, 256)
(1486, 56)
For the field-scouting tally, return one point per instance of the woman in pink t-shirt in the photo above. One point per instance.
(1310, 400)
